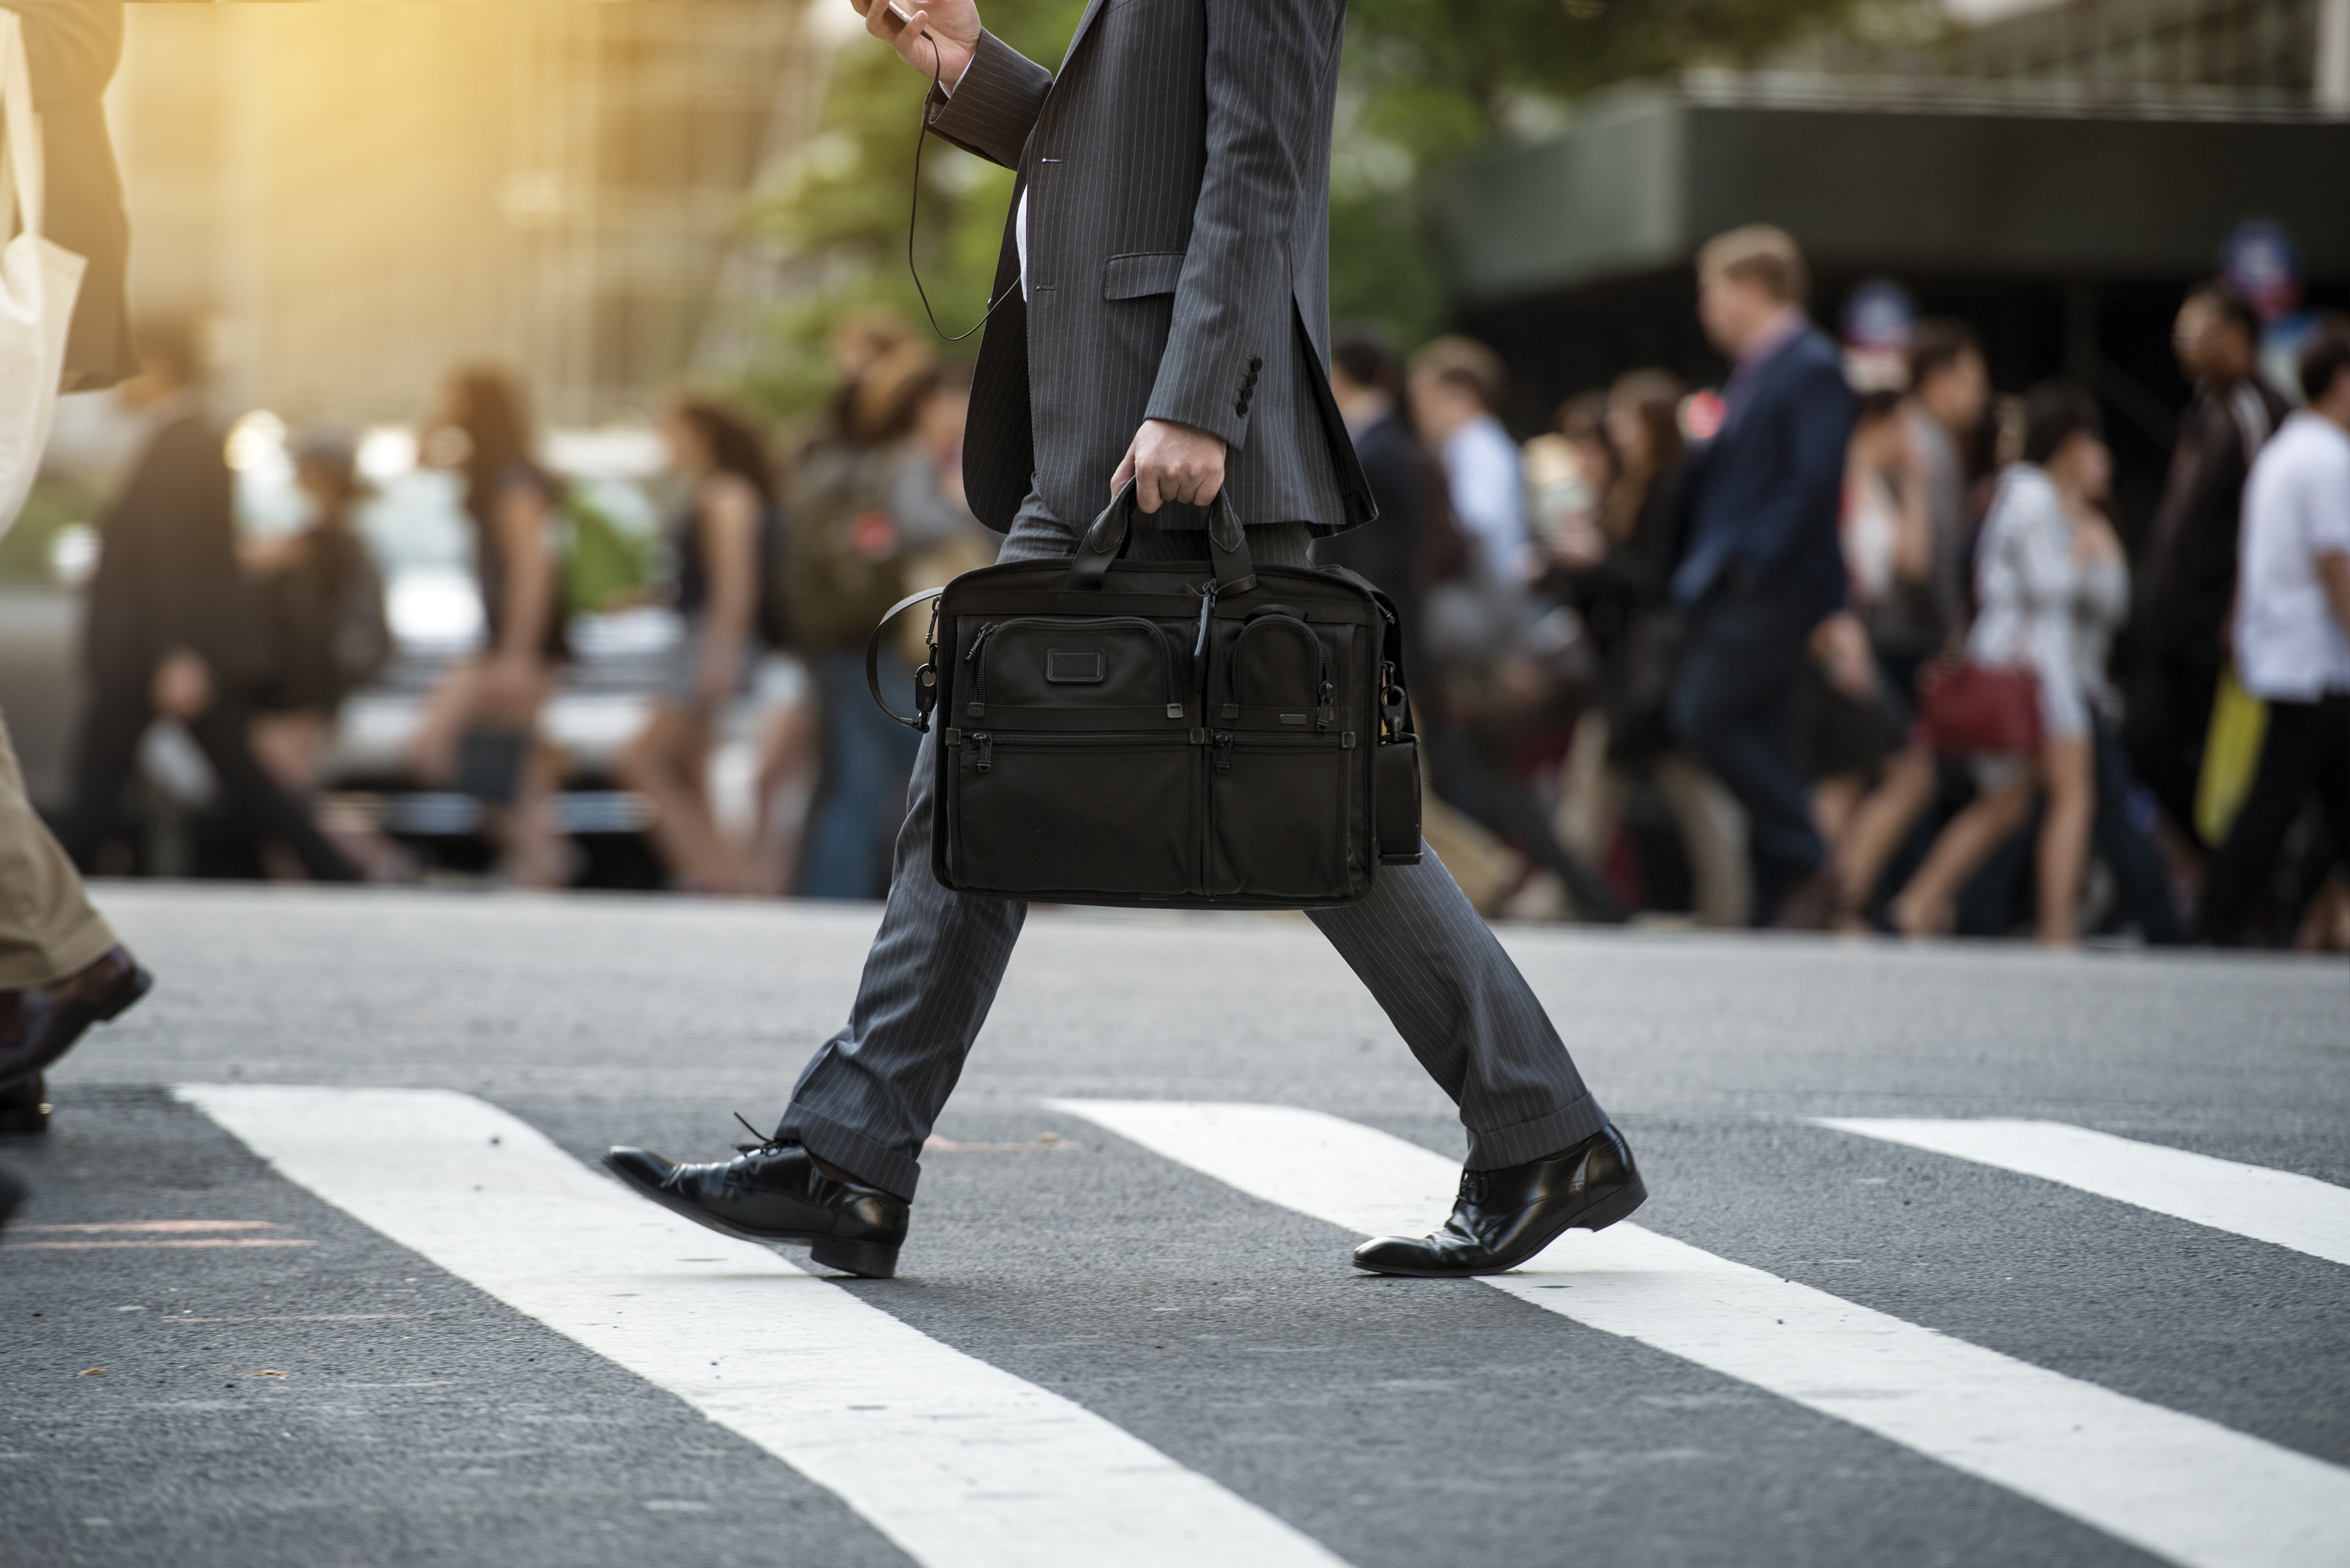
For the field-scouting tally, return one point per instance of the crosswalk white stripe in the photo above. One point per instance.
(2273, 1206)
(2175, 1485)
(961, 1463)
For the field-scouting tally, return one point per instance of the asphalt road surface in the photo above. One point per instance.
(1966, 1255)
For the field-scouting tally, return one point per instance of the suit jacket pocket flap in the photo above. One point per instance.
(1141, 274)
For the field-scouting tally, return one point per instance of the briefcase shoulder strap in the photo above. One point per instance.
(926, 679)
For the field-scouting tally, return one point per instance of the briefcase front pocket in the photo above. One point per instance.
(1281, 814)
(1101, 672)
(1105, 814)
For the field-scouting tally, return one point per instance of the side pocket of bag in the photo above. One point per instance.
(1395, 784)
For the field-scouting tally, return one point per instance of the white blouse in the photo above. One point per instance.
(2039, 605)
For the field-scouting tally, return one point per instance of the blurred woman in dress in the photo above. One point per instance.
(479, 732)
(722, 542)
(2051, 586)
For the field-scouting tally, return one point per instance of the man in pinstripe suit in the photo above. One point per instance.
(1163, 317)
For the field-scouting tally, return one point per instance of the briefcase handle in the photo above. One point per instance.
(926, 679)
(1112, 532)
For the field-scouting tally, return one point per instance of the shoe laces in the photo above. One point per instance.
(768, 1143)
(1472, 1186)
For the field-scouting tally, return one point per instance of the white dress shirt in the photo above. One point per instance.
(2288, 647)
(1020, 217)
(1489, 496)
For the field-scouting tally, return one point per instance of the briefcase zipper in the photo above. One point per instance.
(979, 745)
(1227, 741)
(1275, 740)
(977, 656)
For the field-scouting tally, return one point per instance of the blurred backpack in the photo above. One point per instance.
(362, 639)
(604, 567)
(323, 613)
(844, 567)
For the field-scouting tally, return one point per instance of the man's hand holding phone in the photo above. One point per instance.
(936, 39)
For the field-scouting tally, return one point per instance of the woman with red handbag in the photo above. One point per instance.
(2051, 586)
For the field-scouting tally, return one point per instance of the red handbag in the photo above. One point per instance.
(1981, 710)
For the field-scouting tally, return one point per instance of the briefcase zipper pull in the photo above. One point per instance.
(1207, 608)
(1326, 714)
(1223, 751)
(981, 745)
(977, 706)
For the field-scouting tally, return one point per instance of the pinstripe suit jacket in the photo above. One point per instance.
(1177, 178)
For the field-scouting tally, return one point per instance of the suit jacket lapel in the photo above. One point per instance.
(1084, 25)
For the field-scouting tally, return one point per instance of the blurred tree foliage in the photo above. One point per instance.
(1428, 81)
(1424, 82)
(842, 204)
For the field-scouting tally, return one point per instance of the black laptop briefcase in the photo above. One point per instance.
(1181, 734)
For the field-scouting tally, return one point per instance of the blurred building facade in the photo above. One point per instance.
(2054, 172)
(353, 197)
(2295, 47)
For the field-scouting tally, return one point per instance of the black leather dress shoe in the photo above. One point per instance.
(775, 1193)
(40, 1024)
(1504, 1217)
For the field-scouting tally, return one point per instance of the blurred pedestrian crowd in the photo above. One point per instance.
(1850, 643)
(1853, 643)
(249, 646)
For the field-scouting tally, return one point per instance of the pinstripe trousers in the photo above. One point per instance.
(868, 1097)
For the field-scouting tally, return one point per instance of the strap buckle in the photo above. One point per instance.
(926, 679)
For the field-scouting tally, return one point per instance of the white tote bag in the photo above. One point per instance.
(39, 282)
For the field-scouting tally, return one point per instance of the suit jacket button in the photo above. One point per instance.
(1241, 408)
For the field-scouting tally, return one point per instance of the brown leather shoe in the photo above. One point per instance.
(40, 1024)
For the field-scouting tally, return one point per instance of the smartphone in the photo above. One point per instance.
(899, 12)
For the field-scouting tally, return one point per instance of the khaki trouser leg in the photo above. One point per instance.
(1713, 834)
(47, 928)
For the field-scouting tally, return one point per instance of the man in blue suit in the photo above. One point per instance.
(1762, 564)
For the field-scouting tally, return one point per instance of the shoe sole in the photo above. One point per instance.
(867, 1260)
(1617, 1206)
